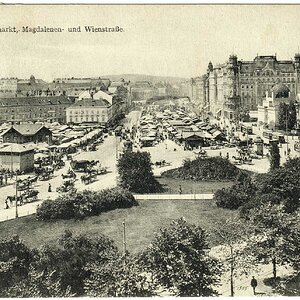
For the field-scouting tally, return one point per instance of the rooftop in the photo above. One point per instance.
(90, 102)
(34, 101)
(16, 148)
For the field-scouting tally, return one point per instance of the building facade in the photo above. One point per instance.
(197, 94)
(141, 91)
(50, 109)
(17, 157)
(90, 111)
(8, 87)
(241, 85)
(268, 112)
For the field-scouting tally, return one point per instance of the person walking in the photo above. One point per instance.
(5, 178)
(253, 284)
(49, 188)
(180, 189)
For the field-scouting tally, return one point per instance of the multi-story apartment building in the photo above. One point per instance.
(51, 109)
(141, 91)
(8, 87)
(239, 84)
(197, 93)
(90, 111)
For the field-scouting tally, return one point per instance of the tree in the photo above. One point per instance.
(237, 195)
(15, 259)
(135, 173)
(178, 260)
(282, 186)
(274, 156)
(67, 261)
(231, 236)
(118, 279)
(276, 236)
(38, 285)
(287, 116)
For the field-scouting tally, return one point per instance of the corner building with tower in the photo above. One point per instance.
(238, 85)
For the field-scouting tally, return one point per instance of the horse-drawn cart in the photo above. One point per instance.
(68, 186)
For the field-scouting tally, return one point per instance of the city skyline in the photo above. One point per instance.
(158, 40)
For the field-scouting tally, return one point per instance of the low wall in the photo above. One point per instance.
(173, 196)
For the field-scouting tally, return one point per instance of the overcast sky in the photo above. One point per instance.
(158, 40)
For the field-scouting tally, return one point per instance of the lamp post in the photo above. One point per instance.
(286, 130)
(11, 161)
(17, 215)
(124, 242)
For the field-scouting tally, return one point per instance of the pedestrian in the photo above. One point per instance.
(253, 284)
(49, 188)
(220, 154)
(1, 180)
(180, 189)
(6, 204)
(5, 178)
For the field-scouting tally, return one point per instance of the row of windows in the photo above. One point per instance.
(267, 73)
(271, 79)
(30, 110)
(87, 112)
(82, 119)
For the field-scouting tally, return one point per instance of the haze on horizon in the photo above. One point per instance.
(160, 40)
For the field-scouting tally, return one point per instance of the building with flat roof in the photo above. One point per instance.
(17, 157)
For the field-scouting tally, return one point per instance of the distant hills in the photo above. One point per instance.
(141, 77)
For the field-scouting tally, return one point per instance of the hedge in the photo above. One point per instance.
(85, 203)
(210, 168)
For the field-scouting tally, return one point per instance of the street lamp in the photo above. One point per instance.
(286, 130)
(11, 160)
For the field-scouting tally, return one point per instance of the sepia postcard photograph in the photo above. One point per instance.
(149, 150)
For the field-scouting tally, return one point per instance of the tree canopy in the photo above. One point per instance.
(135, 173)
(287, 116)
(178, 260)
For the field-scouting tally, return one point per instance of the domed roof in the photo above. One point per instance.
(280, 91)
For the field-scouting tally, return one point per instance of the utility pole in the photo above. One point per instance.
(286, 130)
(124, 241)
(231, 273)
(17, 215)
(11, 162)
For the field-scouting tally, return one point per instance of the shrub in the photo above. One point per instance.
(237, 195)
(15, 259)
(211, 168)
(86, 203)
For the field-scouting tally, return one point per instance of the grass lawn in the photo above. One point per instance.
(141, 222)
(171, 185)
